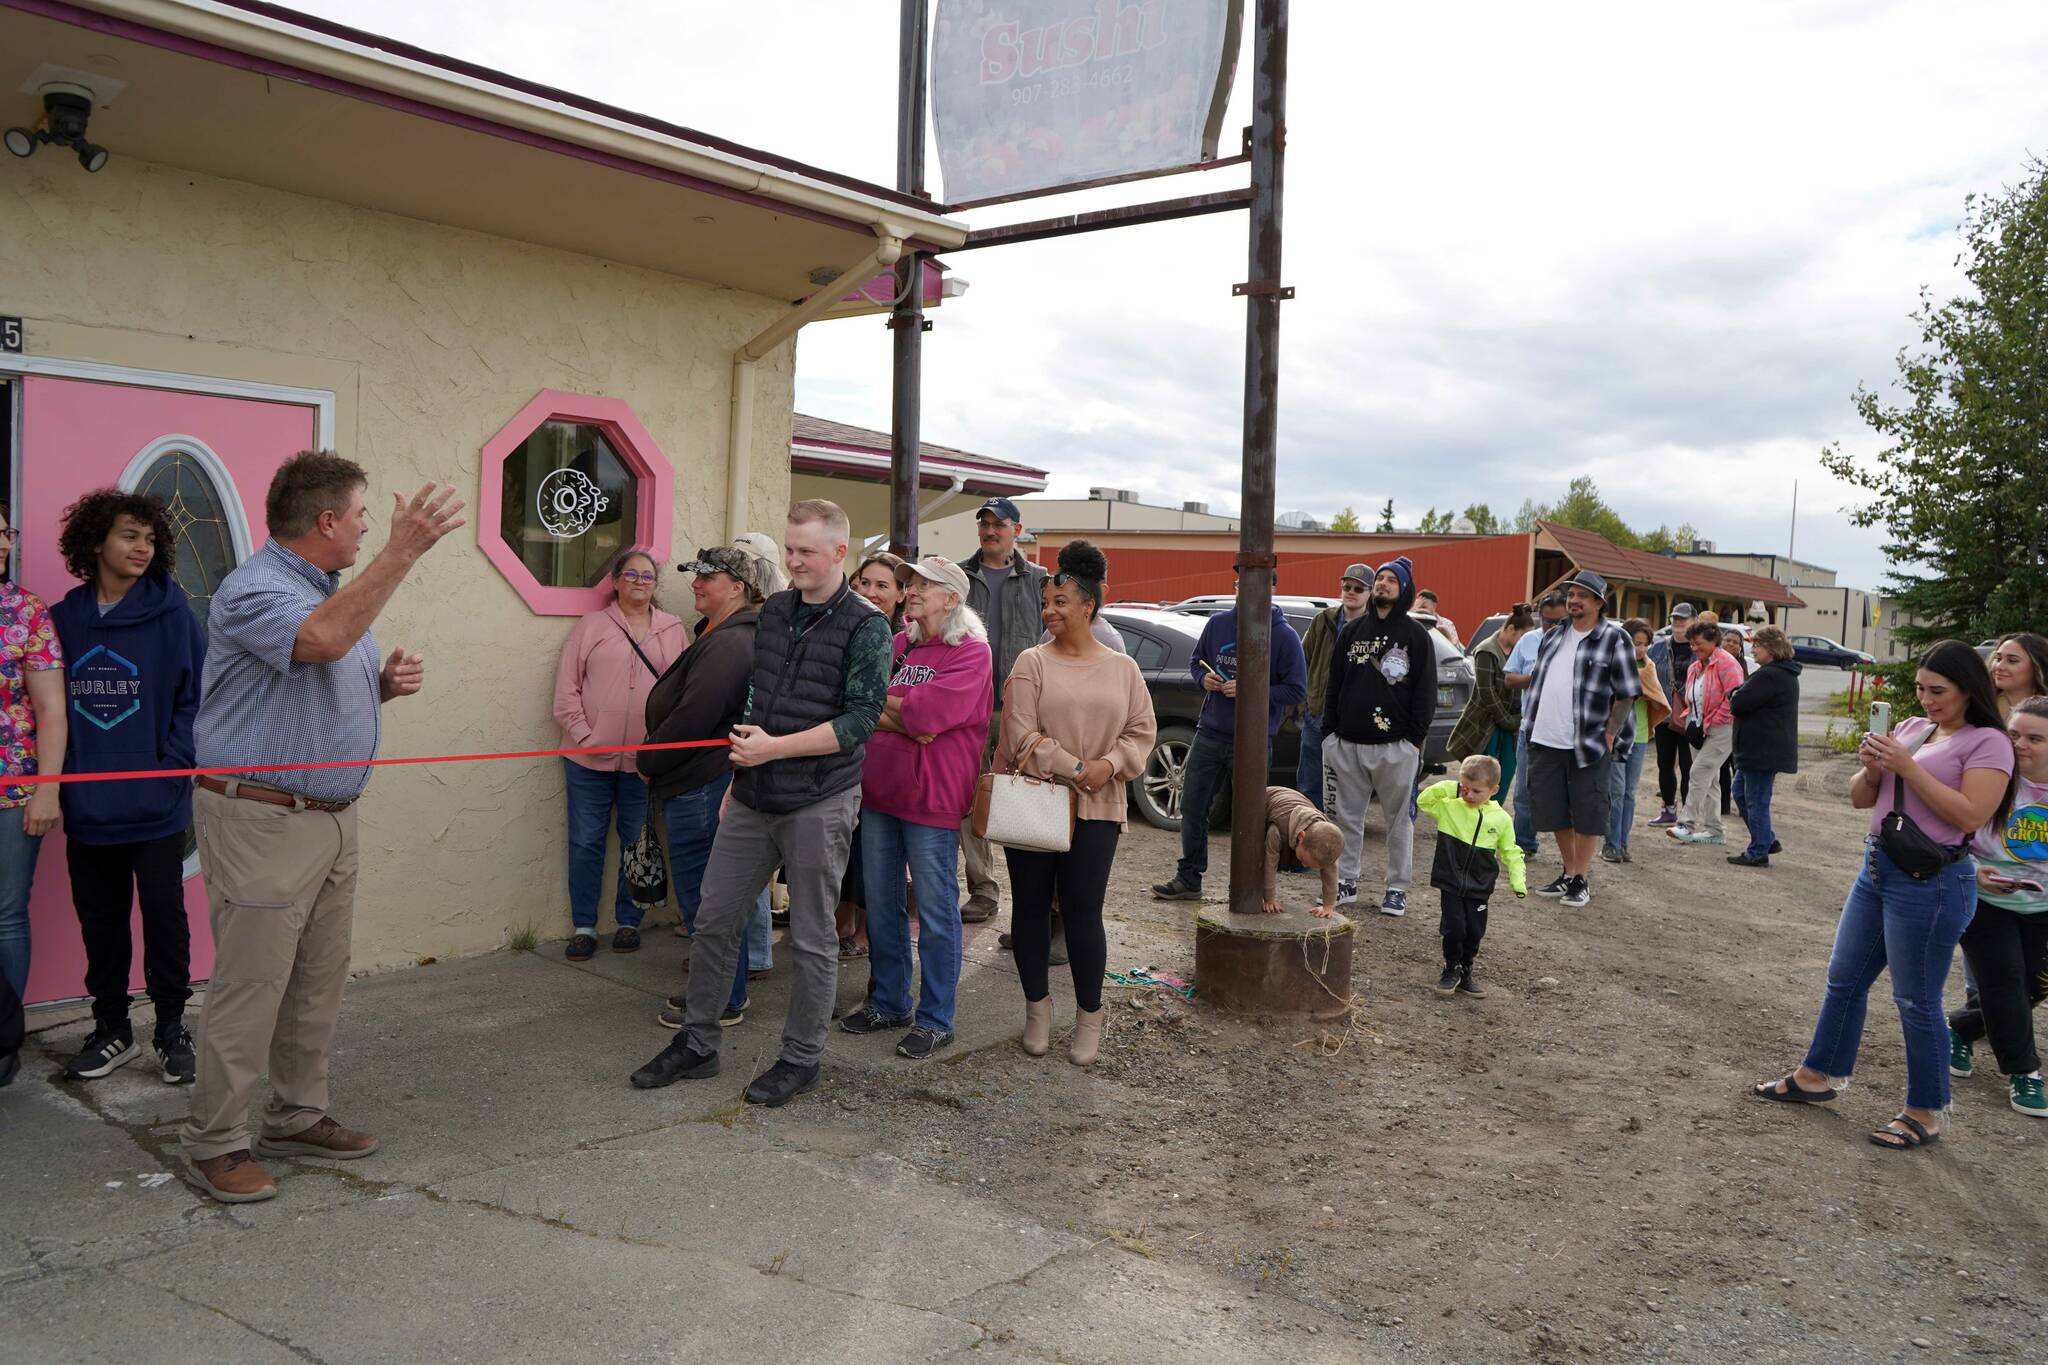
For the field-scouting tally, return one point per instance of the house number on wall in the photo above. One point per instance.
(10, 335)
(568, 503)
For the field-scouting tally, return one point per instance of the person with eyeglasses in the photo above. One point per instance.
(33, 736)
(1318, 647)
(609, 665)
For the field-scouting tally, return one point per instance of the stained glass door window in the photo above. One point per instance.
(199, 519)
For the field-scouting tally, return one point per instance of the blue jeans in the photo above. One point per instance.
(1753, 800)
(1308, 769)
(17, 871)
(690, 820)
(594, 799)
(1525, 813)
(1623, 779)
(932, 854)
(1208, 768)
(1891, 921)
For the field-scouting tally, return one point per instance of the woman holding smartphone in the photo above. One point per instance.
(1950, 774)
(2006, 944)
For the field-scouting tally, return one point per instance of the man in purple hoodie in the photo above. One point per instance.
(1214, 666)
(916, 788)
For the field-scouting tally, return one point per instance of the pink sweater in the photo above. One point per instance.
(601, 686)
(947, 691)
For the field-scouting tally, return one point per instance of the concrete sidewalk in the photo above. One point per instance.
(528, 1204)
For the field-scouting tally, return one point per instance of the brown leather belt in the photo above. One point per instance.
(270, 796)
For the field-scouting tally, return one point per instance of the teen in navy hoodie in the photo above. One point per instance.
(136, 652)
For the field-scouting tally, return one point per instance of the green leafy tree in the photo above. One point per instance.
(1435, 523)
(1484, 522)
(1346, 520)
(1387, 516)
(1958, 488)
(1664, 538)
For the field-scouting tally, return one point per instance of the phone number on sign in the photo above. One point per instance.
(1061, 86)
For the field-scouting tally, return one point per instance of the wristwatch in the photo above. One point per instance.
(1079, 767)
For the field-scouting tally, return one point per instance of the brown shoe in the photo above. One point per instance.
(325, 1138)
(234, 1178)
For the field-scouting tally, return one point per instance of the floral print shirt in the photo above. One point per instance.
(28, 643)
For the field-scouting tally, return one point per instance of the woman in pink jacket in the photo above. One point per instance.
(1704, 700)
(916, 788)
(608, 666)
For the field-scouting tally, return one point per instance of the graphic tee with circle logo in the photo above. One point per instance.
(2017, 852)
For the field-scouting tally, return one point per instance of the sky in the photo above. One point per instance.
(1661, 245)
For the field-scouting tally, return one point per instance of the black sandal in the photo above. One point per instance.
(1793, 1093)
(1916, 1136)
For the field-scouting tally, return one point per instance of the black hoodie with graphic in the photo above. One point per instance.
(1382, 677)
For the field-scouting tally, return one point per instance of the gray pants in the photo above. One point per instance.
(1702, 809)
(978, 856)
(1353, 773)
(811, 846)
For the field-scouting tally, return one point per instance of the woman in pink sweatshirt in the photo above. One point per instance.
(609, 665)
(917, 785)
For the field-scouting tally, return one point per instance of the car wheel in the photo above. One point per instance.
(1157, 791)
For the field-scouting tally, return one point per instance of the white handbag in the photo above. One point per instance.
(1027, 813)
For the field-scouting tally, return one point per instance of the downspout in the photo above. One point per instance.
(739, 461)
(941, 498)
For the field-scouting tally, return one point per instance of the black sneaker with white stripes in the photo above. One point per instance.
(922, 1042)
(1576, 892)
(106, 1050)
(1556, 888)
(175, 1058)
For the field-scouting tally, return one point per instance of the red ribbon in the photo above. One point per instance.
(40, 779)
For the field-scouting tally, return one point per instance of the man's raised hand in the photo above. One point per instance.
(418, 525)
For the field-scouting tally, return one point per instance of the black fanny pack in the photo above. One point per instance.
(1909, 847)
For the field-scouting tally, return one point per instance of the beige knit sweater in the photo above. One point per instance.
(1081, 710)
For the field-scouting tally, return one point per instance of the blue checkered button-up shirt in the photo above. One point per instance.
(1606, 670)
(260, 706)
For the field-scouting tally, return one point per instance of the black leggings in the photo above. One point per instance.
(2009, 953)
(1674, 766)
(107, 882)
(1077, 880)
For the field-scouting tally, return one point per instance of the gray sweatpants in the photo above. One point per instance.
(1352, 774)
(811, 846)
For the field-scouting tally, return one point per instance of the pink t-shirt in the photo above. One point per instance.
(1974, 746)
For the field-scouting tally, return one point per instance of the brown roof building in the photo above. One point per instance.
(1649, 585)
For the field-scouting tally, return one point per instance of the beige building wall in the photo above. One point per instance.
(953, 535)
(431, 338)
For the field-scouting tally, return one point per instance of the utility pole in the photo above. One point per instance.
(1792, 536)
(1264, 294)
(906, 321)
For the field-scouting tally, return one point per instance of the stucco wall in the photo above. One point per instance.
(431, 338)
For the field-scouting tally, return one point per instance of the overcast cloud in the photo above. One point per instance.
(1660, 245)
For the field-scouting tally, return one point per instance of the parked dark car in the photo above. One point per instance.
(1161, 641)
(1820, 651)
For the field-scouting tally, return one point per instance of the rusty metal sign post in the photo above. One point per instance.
(1264, 294)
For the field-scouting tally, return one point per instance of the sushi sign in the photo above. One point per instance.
(1034, 96)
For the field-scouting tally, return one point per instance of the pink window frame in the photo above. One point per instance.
(634, 446)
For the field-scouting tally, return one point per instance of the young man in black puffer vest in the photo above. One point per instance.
(821, 678)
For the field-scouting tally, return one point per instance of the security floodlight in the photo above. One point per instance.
(67, 108)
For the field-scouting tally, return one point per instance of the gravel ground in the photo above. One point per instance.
(1569, 1167)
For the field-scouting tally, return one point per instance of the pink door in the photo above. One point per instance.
(211, 458)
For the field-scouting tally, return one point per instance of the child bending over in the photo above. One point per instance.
(1293, 822)
(1474, 836)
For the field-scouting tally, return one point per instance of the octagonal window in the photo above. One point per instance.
(567, 484)
(569, 504)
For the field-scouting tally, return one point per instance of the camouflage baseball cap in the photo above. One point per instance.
(734, 563)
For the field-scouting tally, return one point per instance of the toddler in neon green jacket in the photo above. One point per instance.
(1474, 838)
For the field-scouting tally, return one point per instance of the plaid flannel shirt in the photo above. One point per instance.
(1606, 671)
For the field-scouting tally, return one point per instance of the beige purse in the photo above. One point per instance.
(1025, 813)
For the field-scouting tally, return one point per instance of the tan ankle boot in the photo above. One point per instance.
(1038, 1026)
(1087, 1037)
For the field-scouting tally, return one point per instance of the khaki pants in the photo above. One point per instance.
(280, 889)
(976, 852)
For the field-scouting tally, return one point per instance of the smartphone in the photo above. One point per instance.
(1880, 718)
(2003, 882)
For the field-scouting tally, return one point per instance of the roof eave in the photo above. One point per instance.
(266, 34)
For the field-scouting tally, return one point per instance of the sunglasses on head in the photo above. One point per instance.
(1063, 578)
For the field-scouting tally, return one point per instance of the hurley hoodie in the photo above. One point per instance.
(131, 680)
(1383, 677)
(1217, 650)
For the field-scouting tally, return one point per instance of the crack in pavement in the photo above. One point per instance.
(274, 1338)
